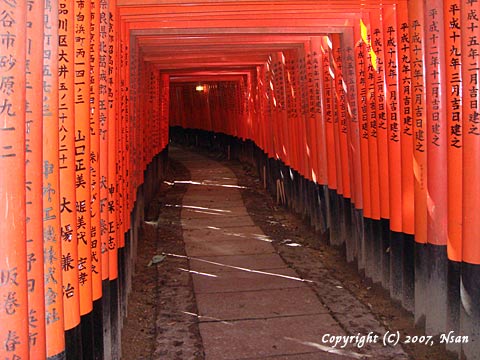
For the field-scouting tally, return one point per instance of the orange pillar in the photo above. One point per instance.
(416, 11)
(353, 131)
(470, 289)
(313, 116)
(342, 113)
(394, 129)
(454, 145)
(112, 145)
(103, 151)
(336, 117)
(454, 120)
(328, 105)
(127, 169)
(437, 167)
(95, 174)
(361, 82)
(471, 137)
(406, 119)
(377, 43)
(82, 153)
(417, 50)
(405, 242)
(112, 196)
(52, 236)
(34, 201)
(372, 124)
(68, 211)
(393, 99)
(355, 238)
(14, 328)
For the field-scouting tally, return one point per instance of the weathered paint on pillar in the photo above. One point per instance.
(52, 239)
(82, 152)
(94, 156)
(68, 210)
(112, 144)
(14, 332)
(33, 164)
(103, 133)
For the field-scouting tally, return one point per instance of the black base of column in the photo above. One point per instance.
(86, 322)
(107, 330)
(470, 310)
(98, 329)
(436, 292)
(385, 239)
(114, 318)
(334, 210)
(359, 231)
(396, 265)
(350, 241)
(453, 302)
(408, 299)
(73, 343)
(369, 248)
(377, 251)
(61, 356)
(421, 283)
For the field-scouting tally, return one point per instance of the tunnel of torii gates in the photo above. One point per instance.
(366, 113)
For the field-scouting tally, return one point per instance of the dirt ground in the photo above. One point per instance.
(162, 321)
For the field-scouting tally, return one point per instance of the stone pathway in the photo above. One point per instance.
(251, 305)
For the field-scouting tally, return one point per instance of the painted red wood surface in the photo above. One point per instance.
(394, 128)
(417, 32)
(34, 186)
(436, 123)
(379, 103)
(67, 166)
(453, 79)
(94, 156)
(82, 153)
(14, 331)
(52, 236)
(471, 134)
(406, 119)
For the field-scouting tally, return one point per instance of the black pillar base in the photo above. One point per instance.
(421, 283)
(385, 249)
(453, 302)
(73, 343)
(396, 265)
(61, 356)
(98, 329)
(436, 292)
(115, 318)
(470, 310)
(408, 298)
(107, 330)
(87, 336)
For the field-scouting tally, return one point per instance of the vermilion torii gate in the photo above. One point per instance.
(373, 106)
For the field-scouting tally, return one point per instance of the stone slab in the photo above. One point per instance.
(261, 338)
(219, 248)
(225, 222)
(237, 231)
(215, 197)
(212, 233)
(240, 280)
(323, 355)
(199, 212)
(259, 304)
(219, 264)
(212, 203)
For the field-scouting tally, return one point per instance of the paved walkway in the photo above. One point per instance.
(251, 305)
